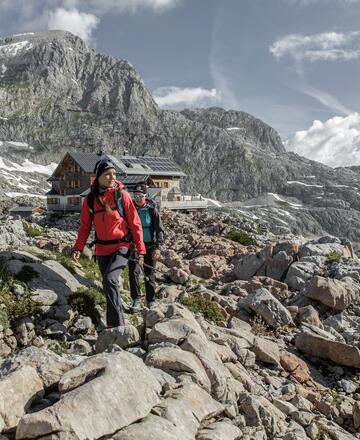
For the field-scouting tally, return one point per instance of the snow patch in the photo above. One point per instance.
(28, 167)
(233, 128)
(13, 48)
(24, 33)
(213, 202)
(18, 194)
(277, 197)
(296, 182)
(3, 70)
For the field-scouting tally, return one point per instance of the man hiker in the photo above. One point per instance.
(153, 235)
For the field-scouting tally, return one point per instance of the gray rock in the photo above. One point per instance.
(299, 272)
(251, 264)
(219, 431)
(49, 366)
(78, 414)
(124, 336)
(268, 307)
(333, 293)
(18, 389)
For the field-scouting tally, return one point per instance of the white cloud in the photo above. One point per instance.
(326, 99)
(335, 142)
(177, 97)
(327, 46)
(37, 15)
(79, 23)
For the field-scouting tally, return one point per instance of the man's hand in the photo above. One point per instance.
(75, 255)
(141, 261)
(156, 254)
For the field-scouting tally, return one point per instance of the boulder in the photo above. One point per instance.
(178, 276)
(177, 362)
(333, 293)
(268, 307)
(277, 267)
(49, 366)
(152, 428)
(321, 347)
(202, 268)
(299, 272)
(110, 377)
(18, 389)
(295, 366)
(251, 264)
(266, 351)
(310, 315)
(124, 336)
(187, 407)
(219, 431)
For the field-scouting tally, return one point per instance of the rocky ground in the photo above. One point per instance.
(253, 337)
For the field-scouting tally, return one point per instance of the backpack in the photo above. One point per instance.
(121, 210)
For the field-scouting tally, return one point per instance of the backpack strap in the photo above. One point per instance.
(119, 207)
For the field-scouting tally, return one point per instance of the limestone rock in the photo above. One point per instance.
(115, 386)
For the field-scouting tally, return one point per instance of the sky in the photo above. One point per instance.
(292, 63)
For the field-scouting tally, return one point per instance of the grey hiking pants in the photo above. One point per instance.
(134, 277)
(111, 267)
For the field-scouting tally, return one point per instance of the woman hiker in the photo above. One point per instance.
(153, 237)
(117, 228)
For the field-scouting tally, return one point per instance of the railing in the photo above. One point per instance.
(62, 207)
(185, 204)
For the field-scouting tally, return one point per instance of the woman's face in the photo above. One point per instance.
(107, 178)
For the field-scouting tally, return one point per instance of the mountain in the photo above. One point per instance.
(57, 94)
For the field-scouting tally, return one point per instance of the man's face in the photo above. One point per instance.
(139, 198)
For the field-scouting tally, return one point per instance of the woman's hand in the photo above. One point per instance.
(75, 255)
(156, 254)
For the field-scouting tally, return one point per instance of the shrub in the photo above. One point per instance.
(13, 307)
(90, 268)
(259, 326)
(210, 310)
(333, 257)
(241, 237)
(85, 299)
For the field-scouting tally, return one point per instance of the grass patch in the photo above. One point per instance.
(259, 326)
(64, 260)
(334, 257)
(90, 268)
(210, 310)
(30, 230)
(85, 299)
(241, 237)
(13, 307)
(26, 274)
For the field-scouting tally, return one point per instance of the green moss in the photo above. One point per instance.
(26, 274)
(85, 299)
(334, 257)
(4, 320)
(30, 230)
(210, 310)
(241, 237)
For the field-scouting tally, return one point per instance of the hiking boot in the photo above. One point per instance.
(135, 306)
(151, 305)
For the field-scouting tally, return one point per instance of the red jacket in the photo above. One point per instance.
(110, 226)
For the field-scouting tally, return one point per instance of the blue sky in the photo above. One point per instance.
(292, 63)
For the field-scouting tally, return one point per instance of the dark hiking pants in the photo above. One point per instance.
(111, 267)
(134, 277)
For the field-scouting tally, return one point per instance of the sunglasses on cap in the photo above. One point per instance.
(139, 196)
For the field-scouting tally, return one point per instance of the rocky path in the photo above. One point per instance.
(256, 341)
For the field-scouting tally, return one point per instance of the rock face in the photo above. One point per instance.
(116, 387)
(56, 91)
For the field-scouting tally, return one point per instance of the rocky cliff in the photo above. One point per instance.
(58, 94)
